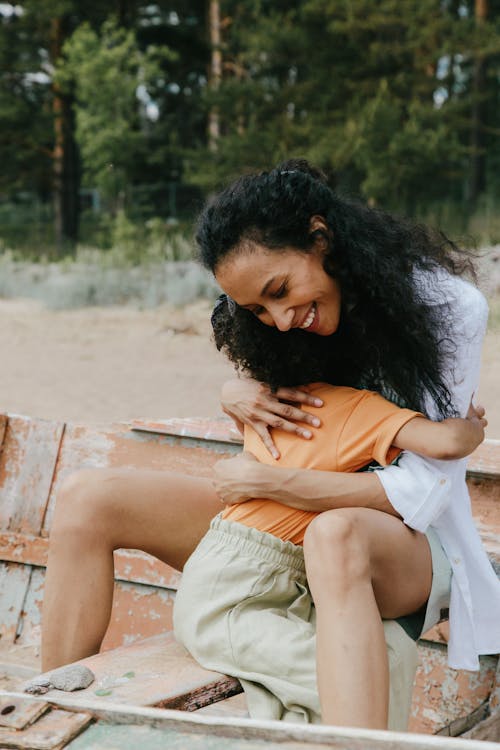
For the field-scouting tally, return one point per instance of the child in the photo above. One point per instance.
(244, 607)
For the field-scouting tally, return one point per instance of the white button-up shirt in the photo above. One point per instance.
(428, 492)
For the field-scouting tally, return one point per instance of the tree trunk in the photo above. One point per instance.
(65, 161)
(215, 76)
(477, 180)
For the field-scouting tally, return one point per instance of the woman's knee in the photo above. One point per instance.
(83, 506)
(336, 547)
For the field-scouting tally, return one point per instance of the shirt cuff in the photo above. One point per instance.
(415, 488)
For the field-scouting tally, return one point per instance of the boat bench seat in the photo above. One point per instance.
(158, 672)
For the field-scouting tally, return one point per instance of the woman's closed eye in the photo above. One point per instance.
(281, 292)
(259, 310)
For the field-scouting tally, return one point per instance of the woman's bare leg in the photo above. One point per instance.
(362, 565)
(98, 511)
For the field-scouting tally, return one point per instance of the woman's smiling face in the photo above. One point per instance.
(284, 288)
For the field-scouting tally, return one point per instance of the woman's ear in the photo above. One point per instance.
(320, 233)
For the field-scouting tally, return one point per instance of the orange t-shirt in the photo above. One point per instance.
(357, 428)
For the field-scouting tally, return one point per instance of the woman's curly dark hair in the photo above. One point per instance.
(389, 339)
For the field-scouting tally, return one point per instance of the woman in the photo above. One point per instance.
(389, 312)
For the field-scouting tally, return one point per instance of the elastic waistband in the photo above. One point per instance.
(256, 543)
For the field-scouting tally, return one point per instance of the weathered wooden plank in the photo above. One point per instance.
(220, 429)
(14, 583)
(236, 705)
(103, 736)
(495, 693)
(155, 672)
(3, 427)
(51, 732)
(485, 496)
(138, 612)
(27, 465)
(200, 730)
(159, 672)
(485, 461)
(18, 713)
(29, 625)
(138, 567)
(27, 549)
(117, 446)
(130, 565)
(488, 730)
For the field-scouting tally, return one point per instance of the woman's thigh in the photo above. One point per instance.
(399, 560)
(164, 513)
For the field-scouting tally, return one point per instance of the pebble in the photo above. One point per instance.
(69, 678)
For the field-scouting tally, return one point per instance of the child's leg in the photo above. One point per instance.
(361, 564)
(98, 511)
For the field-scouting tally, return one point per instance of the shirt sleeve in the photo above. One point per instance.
(369, 431)
(419, 488)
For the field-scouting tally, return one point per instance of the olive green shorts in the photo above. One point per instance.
(244, 608)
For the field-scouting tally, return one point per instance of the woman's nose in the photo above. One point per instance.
(283, 318)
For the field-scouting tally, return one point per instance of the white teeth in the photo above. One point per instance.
(310, 318)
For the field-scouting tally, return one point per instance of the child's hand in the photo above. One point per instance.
(476, 413)
(467, 433)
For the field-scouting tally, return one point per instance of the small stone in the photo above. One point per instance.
(38, 686)
(72, 677)
(68, 678)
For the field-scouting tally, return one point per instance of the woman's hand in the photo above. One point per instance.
(249, 402)
(239, 478)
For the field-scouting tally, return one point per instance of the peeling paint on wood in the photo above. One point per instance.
(495, 693)
(198, 731)
(487, 730)
(3, 427)
(130, 565)
(27, 467)
(220, 429)
(29, 625)
(138, 612)
(14, 583)
(51, 732)
(145, 588)
(236, 705)
(485, 461)
(18, 713)
(442, 695)
(155, 672)
(136, 566)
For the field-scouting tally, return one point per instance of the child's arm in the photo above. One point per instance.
(450, 439)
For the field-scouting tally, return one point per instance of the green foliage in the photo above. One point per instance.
(400, 102)
(141, 244)
(106, 70)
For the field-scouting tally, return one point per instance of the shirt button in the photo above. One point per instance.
(442, 481)
(457, 560)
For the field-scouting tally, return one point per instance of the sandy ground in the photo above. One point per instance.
(112, 364)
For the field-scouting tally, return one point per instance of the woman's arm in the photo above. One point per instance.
(450, 439)
(243, 477)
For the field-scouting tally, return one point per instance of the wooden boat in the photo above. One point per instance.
(148, 692)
